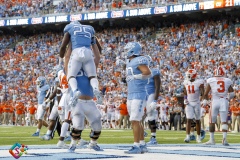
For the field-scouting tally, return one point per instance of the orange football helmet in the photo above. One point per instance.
(191, 74)
(219, 71)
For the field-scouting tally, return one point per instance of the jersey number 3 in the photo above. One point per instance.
(221, 87)
(191, 89)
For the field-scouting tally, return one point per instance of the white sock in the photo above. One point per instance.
(225, 135)
(188, 136)
(113, 125)
(94, 83)
(153, 134)
(142, 142)
(211, 136)
(49, 132)
(73, 83)
(136, 144)
(93, 142)
(64, 129)
(38, 130)
(68, 134)
(167, 127)
(73, 142)
(198, 137)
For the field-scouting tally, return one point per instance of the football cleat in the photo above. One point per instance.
(198, 140)
(36, 134)
(99, 96)
(46, 137)
(187, 140)
(72, 148)
(202, 133)
(61, 144)
(210, 142)
(224, 142)
(143, 148)
(94, 147)
(82, 143)
(68, 138)
(152, 141)
(134, 150)
(192, 137)
(74, 100)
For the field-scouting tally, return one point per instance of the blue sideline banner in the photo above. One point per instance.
(187, 7)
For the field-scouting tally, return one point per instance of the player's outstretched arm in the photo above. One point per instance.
(157, 84)
(67, 57)
(146, 73)
(65, 41)
(97, 51)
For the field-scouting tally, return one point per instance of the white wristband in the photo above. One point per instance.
(140, 76)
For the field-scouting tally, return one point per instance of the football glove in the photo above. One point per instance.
(153, 105)
(44, 105)
(204, 102)
(186, 102)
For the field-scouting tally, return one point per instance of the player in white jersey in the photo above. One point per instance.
(193, 89)
(110, 107)
(164, 114)
(222, 92)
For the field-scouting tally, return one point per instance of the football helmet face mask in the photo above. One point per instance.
(133, 49)
(41, 81)
(219, 71)
(191, 74)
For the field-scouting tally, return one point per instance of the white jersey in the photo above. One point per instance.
(163, 109)
(193, 91)
(110, 107)
(219, 86)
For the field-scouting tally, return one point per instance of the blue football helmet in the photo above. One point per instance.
(41, 81)
(133, 49)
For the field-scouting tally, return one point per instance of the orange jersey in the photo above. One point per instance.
(123, 109)
(20, 109)
(6, 108)
(234, 110)
(32, 110)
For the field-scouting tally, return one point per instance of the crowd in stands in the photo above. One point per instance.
(202, 46)
(25, 8)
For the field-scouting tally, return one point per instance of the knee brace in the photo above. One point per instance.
(224, 127)
(152, 124)
(95, 134)
(76, 134)
(67, 121)
(193, 123)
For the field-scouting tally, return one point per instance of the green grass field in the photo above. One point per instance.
(12, 134)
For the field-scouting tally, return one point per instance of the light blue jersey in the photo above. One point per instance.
(150, 87)
(81, 35)
(84, 85)
(136, 87)
(42, 91)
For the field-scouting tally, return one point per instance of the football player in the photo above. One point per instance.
(42, 88)
(193, 89)
(222, 92)
(82, 39)
(138, 73)
(152, 89)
